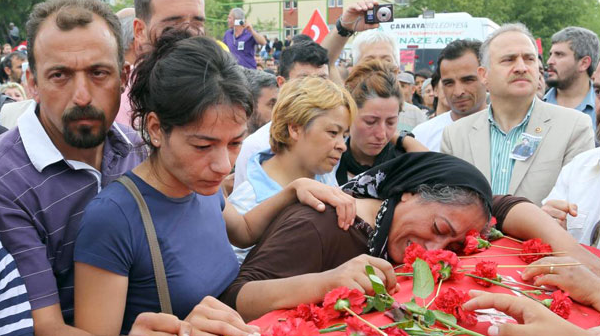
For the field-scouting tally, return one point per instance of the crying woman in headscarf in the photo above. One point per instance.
(428, 198)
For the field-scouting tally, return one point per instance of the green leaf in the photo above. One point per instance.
(404, 324)
(376, 282)
(482, 243)
(417, 333)
(370, 305)
(547, 302)
(443, 317)
(423, 284)
(333, 328)
(445, 272)
(414, 308)
(378, 286)
(535, 292)
(429, 318)
(388, 299)
(379, 305)
(495, 234)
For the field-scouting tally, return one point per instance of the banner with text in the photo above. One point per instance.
(436, 34)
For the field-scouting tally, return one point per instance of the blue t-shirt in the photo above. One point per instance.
(198, 258)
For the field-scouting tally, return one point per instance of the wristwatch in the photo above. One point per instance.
(403, 134)
(341, 30)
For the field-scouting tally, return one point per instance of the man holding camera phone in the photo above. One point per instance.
(353, 20)
(241, 38)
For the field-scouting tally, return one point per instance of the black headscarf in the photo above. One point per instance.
(406, 173)
(348, 163)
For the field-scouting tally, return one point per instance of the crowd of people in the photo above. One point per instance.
(157, 181)
(13, 62)
(12, 74)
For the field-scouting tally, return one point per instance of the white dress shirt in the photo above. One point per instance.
(579, 183)
(430, 132)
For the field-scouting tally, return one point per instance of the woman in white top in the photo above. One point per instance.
(310, 120)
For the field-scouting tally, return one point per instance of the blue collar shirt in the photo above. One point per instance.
(587, 106)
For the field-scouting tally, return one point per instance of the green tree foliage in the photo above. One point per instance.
(216, 16)
(542, 17)
(265, 25)
(216, 12)
(122, 4)
(16, 11)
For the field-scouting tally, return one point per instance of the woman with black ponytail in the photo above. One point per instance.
(191, 103)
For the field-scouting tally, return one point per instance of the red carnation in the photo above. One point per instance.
(534, 246)
(470, 245)
(561, 304)
(411, 253)
(474, 244)
(473, 233)
(493, 221)
(488, 270)
(357, 327)
(353, 299)
(444, 264)
(312, 313)
(451, 301)
(293, 327)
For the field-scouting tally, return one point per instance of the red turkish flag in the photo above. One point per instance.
(316, 28)
(538, 41)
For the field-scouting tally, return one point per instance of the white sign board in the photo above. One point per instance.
(437, 33)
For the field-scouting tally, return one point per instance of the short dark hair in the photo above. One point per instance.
(143, 9)
(583, 42)
(301, 38)
(423, 73)
(71, 14)
(457, 49)
(308, 52)
(435, 79)
(9, 58)
(181, 78)
(257, 81)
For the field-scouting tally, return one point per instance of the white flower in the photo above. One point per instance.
(379, 177)
(371, 190)
(366, 179)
